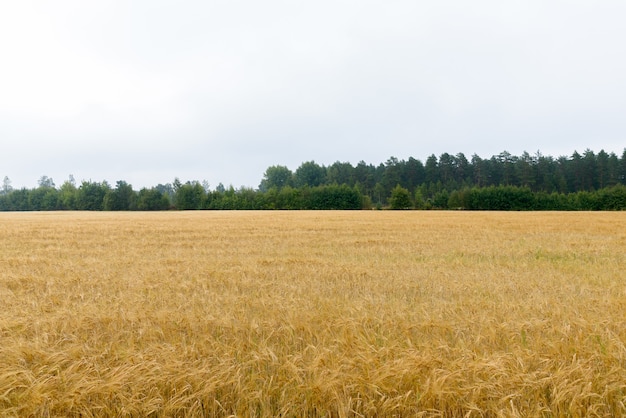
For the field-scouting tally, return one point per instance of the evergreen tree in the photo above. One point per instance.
(622, 168)
(391, 175)
(431, 173)
(590, 171)
(462, 169)
(413, 174)
(479, 168)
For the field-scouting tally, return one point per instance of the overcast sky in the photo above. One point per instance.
(149, 90)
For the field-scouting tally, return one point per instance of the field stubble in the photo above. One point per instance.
(313, 314)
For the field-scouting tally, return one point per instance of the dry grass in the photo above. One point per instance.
(313, 314)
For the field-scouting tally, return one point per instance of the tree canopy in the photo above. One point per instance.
(582, 181)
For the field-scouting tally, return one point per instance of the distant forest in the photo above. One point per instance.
(587, 181)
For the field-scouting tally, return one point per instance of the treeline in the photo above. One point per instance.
(588, 181)
(100, 196)
(580, 182)
(539, 173)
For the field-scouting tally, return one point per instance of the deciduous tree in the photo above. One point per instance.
(277, 176)
(400, 198)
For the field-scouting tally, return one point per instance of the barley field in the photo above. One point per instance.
(318, 314)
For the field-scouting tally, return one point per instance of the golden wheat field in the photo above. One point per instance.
(320, 314)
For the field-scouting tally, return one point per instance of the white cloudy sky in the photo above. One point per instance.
(149, 90)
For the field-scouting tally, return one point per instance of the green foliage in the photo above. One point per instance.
(334, 197)
(290, 198)
(44, 198)
(90, 195)
(612, 198)
(309, 174)
(15, 200)
(587, 181)
(457, 199)
(440, 199)
(400, 198)
(189, 196)
(366, 202)
(340, 173)
(277, 176)
(67, 196)
(500, 198)
(152, 199)
(121, 198)
(419, 201)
